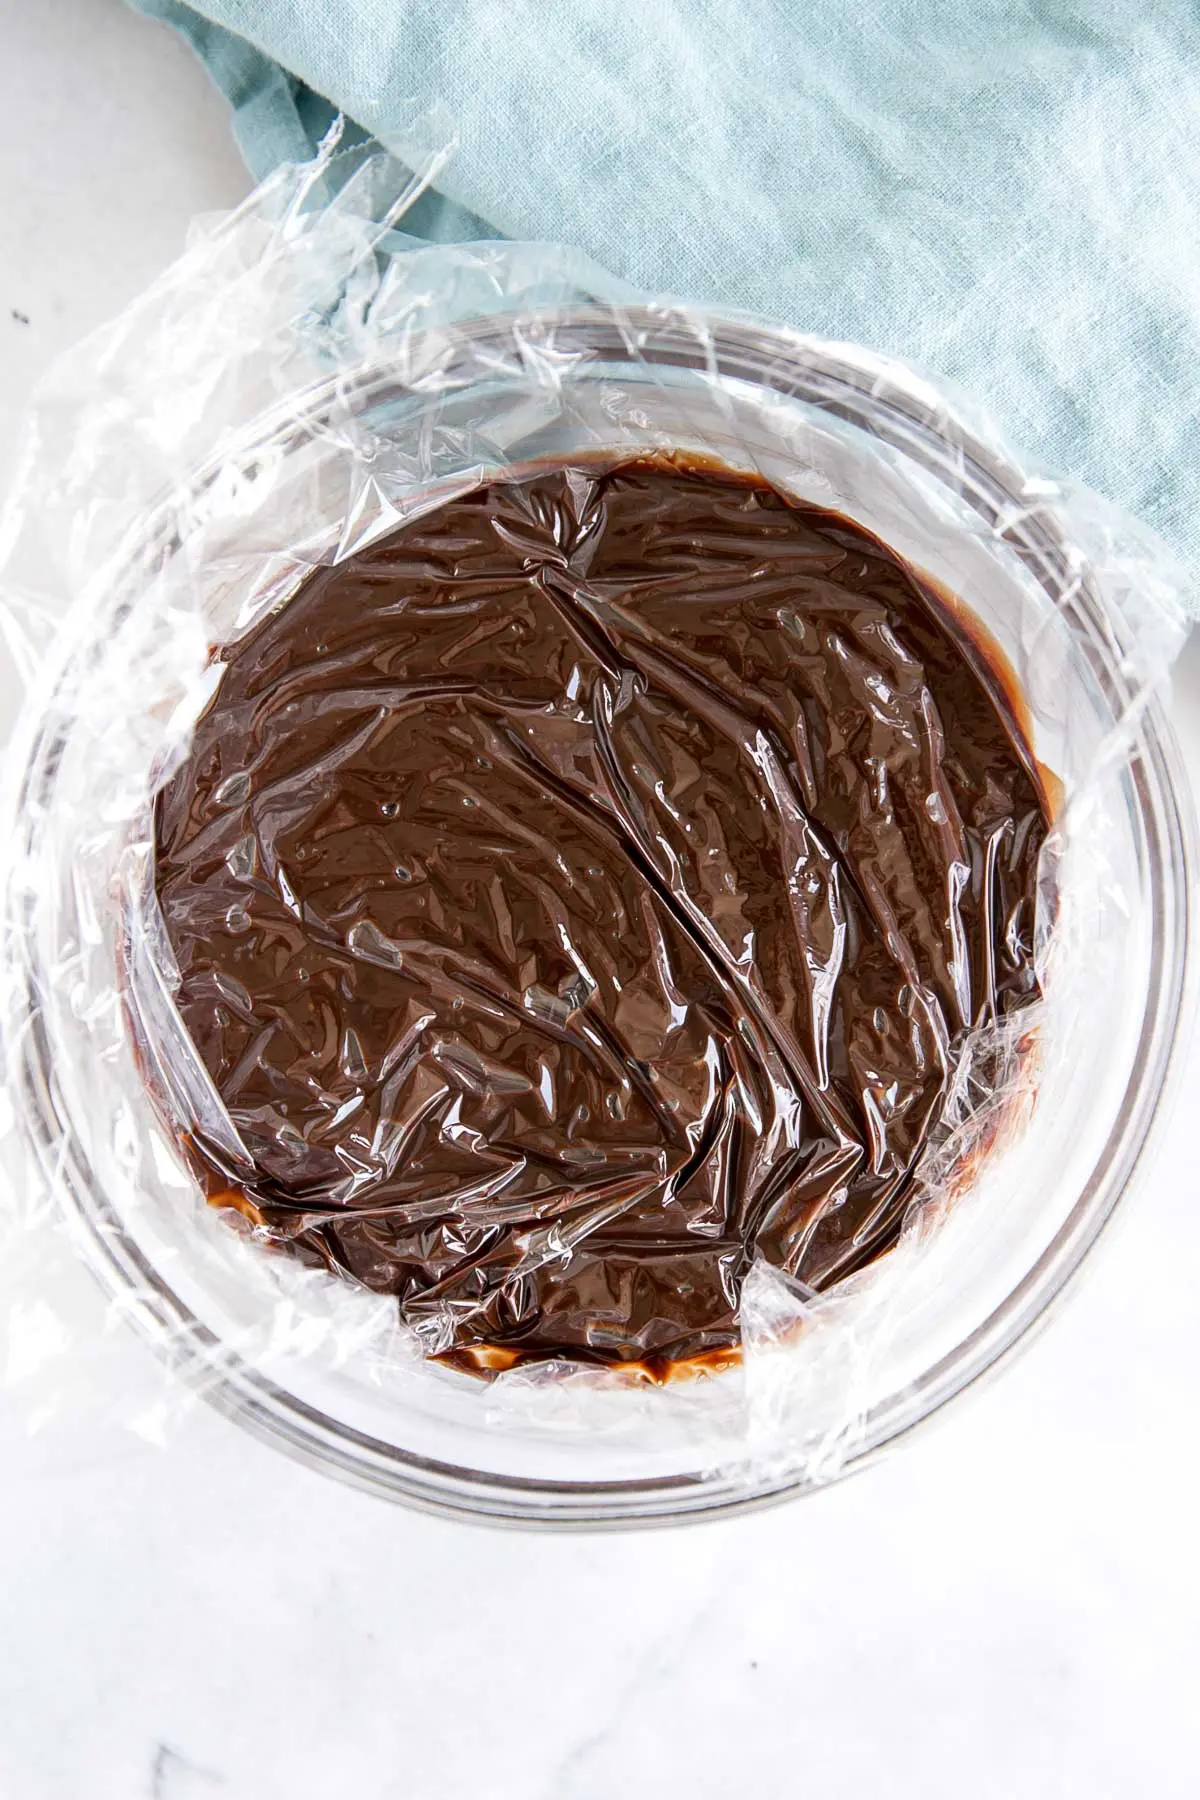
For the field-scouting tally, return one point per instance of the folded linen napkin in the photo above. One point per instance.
(1006, 192)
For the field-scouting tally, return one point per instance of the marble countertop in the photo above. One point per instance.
(1006, 1608)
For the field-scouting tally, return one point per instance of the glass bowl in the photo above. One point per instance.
(320, 1368)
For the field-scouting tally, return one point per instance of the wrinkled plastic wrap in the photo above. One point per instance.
(301, 384)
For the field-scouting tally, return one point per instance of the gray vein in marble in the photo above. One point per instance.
(661, 1655)
(174, 1776)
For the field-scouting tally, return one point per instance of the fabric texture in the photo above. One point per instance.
(1007, 193)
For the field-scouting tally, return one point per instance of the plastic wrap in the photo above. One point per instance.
(300, 385)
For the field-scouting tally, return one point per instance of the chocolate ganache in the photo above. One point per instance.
(584, 891)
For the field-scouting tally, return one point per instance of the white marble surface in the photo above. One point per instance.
(1006, 1610)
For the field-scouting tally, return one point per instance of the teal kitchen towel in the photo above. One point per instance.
(1006, 192)
(278, 118)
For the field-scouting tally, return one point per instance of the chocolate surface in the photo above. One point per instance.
(584, 891)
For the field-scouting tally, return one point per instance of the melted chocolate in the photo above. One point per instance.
(584, 891)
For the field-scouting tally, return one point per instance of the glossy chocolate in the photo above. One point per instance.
(584, 891)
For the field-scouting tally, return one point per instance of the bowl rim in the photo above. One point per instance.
(848, 382)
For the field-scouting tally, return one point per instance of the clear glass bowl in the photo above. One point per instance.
(321, 1369)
